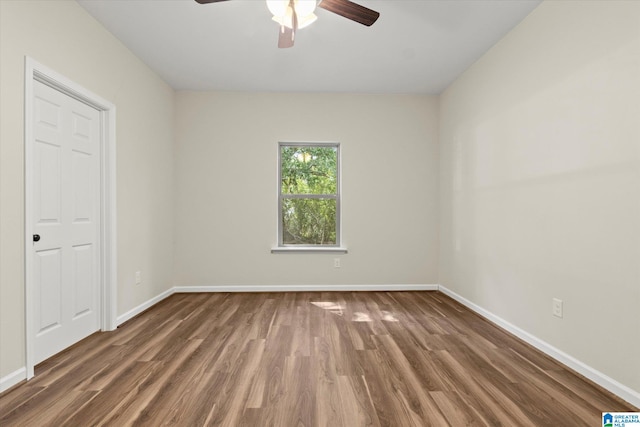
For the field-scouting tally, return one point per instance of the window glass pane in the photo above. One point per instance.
(309, 221)
(308, 170)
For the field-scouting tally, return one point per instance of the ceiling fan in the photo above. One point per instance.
(293, 15)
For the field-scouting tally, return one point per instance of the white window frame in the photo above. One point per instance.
(335, 248)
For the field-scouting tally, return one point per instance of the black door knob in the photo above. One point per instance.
(36, 237)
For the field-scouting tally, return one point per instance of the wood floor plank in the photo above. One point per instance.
(122, 391)
(234, 393)
(60, 407)
(385, 391)
(329, 407)
(480, 391)
(454, 409)
(355, 402)
(305, 359)
(198, 407)
(139, 398)
(267, 386)
(580, 386)
(18, 397)
(344, 352)
(421, 404)
(299, 403)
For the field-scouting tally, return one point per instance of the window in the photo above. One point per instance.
(309, 196)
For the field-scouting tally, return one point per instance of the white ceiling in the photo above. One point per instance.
(416, 46)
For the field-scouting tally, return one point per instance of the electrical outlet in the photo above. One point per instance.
(336, 262)
(557, 307)
(138, 277)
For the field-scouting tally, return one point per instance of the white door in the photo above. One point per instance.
(66, 221)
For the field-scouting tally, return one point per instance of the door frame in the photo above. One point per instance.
(35, 71)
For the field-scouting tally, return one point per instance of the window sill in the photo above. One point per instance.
(309, 249)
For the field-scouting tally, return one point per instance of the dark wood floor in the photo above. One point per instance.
(305, 359)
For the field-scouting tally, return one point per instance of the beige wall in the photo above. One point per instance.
(226, 187)
(540, 181)
(62, 36)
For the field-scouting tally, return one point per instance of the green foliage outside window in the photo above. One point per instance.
(309, 192)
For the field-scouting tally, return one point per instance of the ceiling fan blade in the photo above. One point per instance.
(209, 1)
(351, 10)
(286, 36)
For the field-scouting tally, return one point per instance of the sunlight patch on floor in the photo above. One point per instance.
(332, 307)
(358, 316)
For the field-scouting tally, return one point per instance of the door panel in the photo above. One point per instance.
(81, 178)
(66, 197)
(48, 274)
(47, 178)
(82, 273)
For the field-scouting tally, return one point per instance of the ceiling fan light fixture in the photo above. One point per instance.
(287, 20)
(307, 20)
(304, 7)
(277, 7)
(283, 15)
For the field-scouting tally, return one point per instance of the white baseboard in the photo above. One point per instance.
(12, 379)
(305, 288)
(594, 375)
(142, 307)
